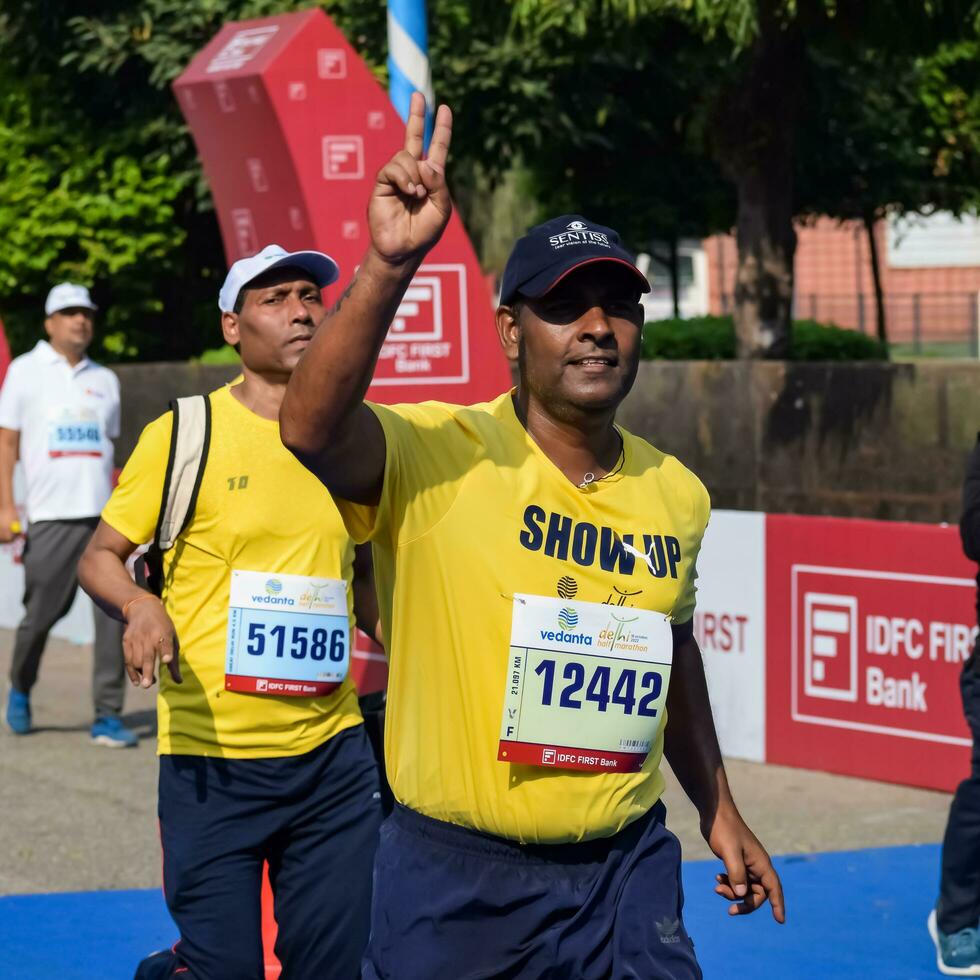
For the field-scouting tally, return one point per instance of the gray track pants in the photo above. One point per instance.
(50, 580)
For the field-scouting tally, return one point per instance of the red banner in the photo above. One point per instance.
(868, 625)
(562, 757)
(247, 684)
(292, 128)
(369, 665)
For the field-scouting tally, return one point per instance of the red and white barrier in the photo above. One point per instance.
(730, 626)
(868, 626)
(855, 669)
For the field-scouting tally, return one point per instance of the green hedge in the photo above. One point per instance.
(712, 338)
(218, 355)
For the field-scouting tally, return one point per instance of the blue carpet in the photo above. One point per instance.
(852, 914)
(849, 914)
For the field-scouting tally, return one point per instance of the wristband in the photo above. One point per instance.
(139, 598)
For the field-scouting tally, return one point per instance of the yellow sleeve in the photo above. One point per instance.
(134, 507)
(427, 455)
(683, 610)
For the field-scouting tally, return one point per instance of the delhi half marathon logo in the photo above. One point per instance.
(567, 587)
(616, 636)
(313, 596)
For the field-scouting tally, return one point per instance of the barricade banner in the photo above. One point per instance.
(369, 665)
(868, 626)
(729, 625)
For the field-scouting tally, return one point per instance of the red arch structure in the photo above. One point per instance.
(292, 127)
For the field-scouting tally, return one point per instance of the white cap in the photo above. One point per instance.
(67, 295)
(321, 268)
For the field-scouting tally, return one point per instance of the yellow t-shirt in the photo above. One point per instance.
(258, 509)
(471, 513)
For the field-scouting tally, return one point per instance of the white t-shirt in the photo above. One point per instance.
(67, 418)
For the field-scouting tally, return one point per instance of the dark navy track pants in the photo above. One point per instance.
(452, 903)
(959, 896)
(313, 817)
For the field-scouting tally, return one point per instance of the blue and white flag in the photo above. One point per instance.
(408, 58)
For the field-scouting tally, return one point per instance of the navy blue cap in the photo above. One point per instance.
(548, 252)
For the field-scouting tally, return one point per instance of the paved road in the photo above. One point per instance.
(74, 817)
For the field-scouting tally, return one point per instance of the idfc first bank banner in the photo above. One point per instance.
(868, 626)
(838, 644)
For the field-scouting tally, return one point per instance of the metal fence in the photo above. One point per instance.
(916, 323)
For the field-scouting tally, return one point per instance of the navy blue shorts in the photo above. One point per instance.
(452, 903)
(313, 817)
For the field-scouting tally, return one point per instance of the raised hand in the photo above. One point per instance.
(410, 205)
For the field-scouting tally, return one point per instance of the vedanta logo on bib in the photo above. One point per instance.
(560, 636)
(273, 596)
(567, 620)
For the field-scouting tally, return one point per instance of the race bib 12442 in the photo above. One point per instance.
(586, 684)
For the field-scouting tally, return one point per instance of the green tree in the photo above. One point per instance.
(102, 216)
(629, 110)
(634, 159)
(753, 108)
(99, 179)
(543, 124)
(552, 119)
(878, 140)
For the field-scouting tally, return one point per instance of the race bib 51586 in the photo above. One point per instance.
(287, 634)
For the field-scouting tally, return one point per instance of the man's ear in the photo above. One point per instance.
(47, 330)
(230, 329)
(508, 331)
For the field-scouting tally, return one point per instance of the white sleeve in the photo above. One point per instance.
(112, 419)
(11, 399)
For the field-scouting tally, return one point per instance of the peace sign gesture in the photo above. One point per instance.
(410, 205)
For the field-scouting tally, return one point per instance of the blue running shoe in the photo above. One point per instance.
(113, 734)
(18, 712)
(958, 954)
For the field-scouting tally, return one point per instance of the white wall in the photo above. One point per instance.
(938, 240)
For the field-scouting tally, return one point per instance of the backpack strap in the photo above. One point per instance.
(190, 438)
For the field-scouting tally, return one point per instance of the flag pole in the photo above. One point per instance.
(408, 58)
